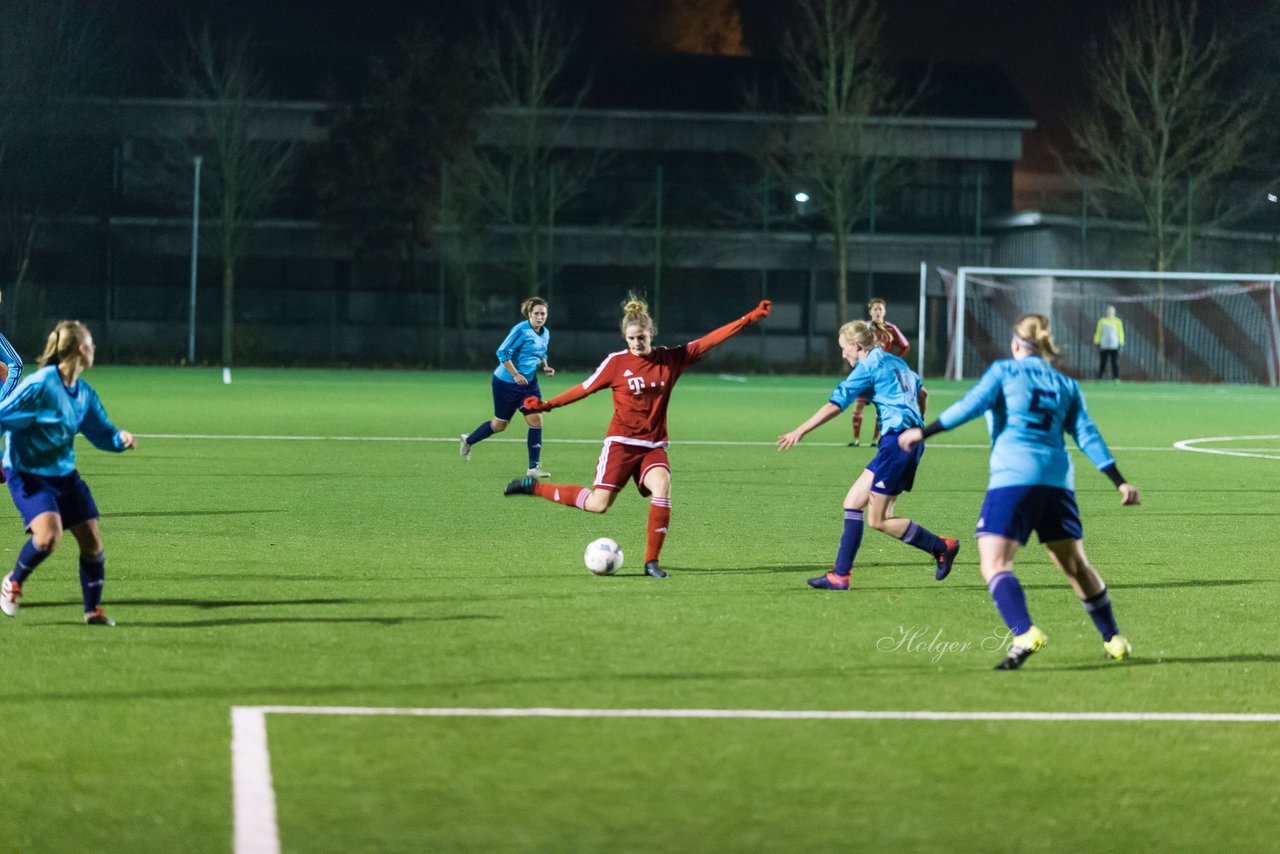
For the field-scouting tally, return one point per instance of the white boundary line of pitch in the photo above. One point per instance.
(253, 793)
(437, 439)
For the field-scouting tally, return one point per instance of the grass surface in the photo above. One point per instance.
(368, 566)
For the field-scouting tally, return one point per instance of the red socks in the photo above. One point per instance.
(569, 495)
(659, 519)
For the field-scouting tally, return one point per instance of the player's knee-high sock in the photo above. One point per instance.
(857, 424)
(93, 571)
(534, 441)
(924, 539)
(484, 431)
(1099, 608)
(570, 495)
(28, 559)
(659, 520)
(850, 541)
(1010, 601)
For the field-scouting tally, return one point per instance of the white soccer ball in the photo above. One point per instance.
(603, 556)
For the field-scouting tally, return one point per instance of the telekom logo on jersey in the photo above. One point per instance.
(636, 384)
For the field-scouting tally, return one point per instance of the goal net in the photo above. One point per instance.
(1178, 327)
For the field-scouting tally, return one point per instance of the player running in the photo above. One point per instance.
(1032, 485)
(891, 340)
(40, 421)
(642, 378)
(896, 390)
(521, 353)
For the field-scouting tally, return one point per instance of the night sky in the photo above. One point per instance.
(313, 47)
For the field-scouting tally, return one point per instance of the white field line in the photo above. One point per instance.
(1258, 453)
(253, 795)
(717, 442)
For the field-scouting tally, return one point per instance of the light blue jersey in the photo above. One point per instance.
(40, 421)
(890, 384)
(13, 367)
(1029, 406)
(525, 349)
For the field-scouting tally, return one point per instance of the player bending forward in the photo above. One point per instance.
(899, 397)
(642, 378)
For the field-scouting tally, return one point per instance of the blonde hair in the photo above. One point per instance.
(1033, 329)
(530, 304)
(64, 343)
(635, 312)
(859, 332)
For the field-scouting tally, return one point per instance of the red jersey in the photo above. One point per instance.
(642, 385)
(891, 339)
(642, 388)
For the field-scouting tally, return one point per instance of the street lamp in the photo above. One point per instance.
(1275, 240)
(802, 202)
(195, 248)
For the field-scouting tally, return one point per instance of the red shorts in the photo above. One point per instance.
(620, 462)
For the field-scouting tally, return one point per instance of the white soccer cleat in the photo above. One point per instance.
(539, 473)
(464, 449)
(10, 594)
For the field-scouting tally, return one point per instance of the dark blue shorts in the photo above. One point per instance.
(894, 468)
(507, 397)
(67, 495)
(1013, 512)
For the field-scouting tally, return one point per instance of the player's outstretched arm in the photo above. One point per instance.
(564, 398)
(716, 337)
(822, 416)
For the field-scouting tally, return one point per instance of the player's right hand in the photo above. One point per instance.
(908, 439)
(760, 312)
(1129, 495)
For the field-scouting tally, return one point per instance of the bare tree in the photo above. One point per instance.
(244, 166)
(1163, 123)
(48, 56)
(525, 61)
(839, 82)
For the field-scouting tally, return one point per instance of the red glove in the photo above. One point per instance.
(760, 312)
(532, 404)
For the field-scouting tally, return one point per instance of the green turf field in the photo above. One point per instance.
(312, 539)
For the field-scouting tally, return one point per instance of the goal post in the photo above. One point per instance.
(1178, 327)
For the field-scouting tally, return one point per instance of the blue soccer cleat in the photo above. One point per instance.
(947, 558)
(830, 581)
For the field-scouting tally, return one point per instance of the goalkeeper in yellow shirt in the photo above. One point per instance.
(1108, 337)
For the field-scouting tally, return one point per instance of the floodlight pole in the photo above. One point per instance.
(195, 248)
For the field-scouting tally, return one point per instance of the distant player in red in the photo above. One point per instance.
(890, 339)
(642, 378)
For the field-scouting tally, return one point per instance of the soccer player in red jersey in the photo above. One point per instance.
(642, 378)
(890, 339)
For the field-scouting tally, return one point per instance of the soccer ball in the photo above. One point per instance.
(603, 557)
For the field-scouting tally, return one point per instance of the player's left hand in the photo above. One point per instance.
(760, 312)
(548, 370)
(1129, 495)
(127, 440)
(789, 440)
